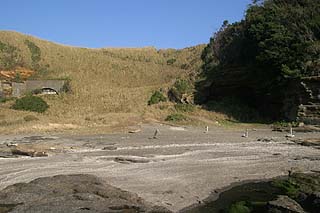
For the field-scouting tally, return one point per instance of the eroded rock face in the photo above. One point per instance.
(284, 204)
(295, 99)
(71, 193)
(309, 109)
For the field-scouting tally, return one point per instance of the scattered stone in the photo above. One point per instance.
(311, 158)
(284, 204)
(125, 208)
(270, 139)
(89, 145)
(40, 154)
(110, 148)
(130, 160)
(28, 152)
(11, 144)
(266, 140)
(135, 131)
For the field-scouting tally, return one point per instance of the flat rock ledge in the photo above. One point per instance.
(284, 204)
(71, 193)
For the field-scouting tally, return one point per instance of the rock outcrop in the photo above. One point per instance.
(309, 108)
(296, 99)
(71, 193)
(284, 204)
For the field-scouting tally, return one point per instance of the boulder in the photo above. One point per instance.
(284, 204)
(28, 152)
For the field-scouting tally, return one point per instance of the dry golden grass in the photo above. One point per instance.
(110, 86)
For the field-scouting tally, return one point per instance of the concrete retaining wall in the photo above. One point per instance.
(19, 89)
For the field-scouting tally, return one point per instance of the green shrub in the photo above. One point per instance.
(284, 124)
(184, 107)
(157, 97)
(176, 117)
(30, 118)
(289, 187)
(3, 100)
(239, 207)
(30, 103)
(182, 86)
(171, 61)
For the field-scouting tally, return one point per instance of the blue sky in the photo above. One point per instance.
(121, 23)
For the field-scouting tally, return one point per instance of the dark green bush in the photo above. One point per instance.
(289, 187)
(3, 100)
(239, 207)
(30, 103)
(184, 107)
(176, 117)
(157, 97)
(171, 61)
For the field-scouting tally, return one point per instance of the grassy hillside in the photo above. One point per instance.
(106, 83)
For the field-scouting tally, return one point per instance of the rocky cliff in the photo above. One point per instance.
(309, 108)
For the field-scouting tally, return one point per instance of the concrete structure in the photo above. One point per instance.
(18, 89)
(1, 90)
(40, 86)
(5, 88)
